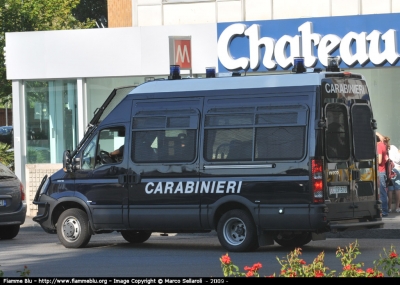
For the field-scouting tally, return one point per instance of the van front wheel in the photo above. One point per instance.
(237, 231)
(73, 228)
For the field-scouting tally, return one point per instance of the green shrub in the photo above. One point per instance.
(294, 266)
(6, 155)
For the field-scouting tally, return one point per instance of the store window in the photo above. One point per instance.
(51, 120)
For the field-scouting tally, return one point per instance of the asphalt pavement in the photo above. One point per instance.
(390, 230)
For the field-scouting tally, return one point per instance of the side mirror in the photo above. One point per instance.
(67, 161)
(77, 163)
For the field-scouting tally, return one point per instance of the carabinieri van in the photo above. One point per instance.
(259, 159)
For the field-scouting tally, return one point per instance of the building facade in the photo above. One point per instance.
(60, 78)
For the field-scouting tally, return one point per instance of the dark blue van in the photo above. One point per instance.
(259, 159)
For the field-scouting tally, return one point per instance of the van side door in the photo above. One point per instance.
(164, 164)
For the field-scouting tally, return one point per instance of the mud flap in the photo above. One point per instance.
(265, 238)
(315, 236)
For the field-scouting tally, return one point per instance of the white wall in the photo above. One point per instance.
(159, 12)
(133, 51)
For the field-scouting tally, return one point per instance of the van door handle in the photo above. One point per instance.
(122, 178)
(134, 178)
(355, 174)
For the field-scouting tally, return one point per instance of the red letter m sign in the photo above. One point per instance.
(183, 53)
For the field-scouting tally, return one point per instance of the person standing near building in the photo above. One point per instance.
(394, 190)
(382, 152)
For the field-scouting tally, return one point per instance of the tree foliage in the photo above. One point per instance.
(35, 15)
(92, 9)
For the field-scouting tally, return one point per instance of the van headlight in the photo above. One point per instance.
(45, 186)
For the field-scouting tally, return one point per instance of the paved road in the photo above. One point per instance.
(182, 255)
(391, 229)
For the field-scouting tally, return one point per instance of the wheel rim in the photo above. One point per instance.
(234, 231)
(71, 229)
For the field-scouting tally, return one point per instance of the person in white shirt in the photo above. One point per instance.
(394, 155)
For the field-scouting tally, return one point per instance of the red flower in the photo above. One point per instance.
(319, 273)
(249, 274)
(360, 270)
(283, 272)
(370, 271)
(256, 266)
(347, 267)
(271, 276)
(393, 254)
(247, 268)
(302, 261)
(225, 259)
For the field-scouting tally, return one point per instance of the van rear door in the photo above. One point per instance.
(349, 146)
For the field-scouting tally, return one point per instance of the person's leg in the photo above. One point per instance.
(390, 191)
(382, 193)
(397, 197)
(396, 193)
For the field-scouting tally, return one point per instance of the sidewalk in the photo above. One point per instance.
(390, 230)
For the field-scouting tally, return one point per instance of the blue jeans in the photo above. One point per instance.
(382, 193)
(396, 181)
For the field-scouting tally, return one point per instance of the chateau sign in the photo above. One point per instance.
(242, 46)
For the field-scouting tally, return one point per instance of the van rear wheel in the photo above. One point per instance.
(136, 236)
(237, 231)
(293, 239)
(73, 228)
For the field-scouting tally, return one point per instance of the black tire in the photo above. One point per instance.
(136, 236)
(293, 239)
(237, 231)
(9, 232)
(73, 228)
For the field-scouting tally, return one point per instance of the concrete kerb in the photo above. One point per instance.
(391, 229)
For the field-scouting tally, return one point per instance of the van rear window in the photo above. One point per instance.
(337, 132)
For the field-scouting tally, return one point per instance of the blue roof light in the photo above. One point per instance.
(174, 72)
(210, 72)
(333, 64)
(298, 65)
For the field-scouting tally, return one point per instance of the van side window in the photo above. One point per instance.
(267, 133)
(169, 138)
(101, 148)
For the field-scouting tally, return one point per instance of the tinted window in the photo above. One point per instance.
(337, 132)
(264, 133)
(169, 138)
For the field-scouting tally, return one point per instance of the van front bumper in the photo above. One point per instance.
(43, 217)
